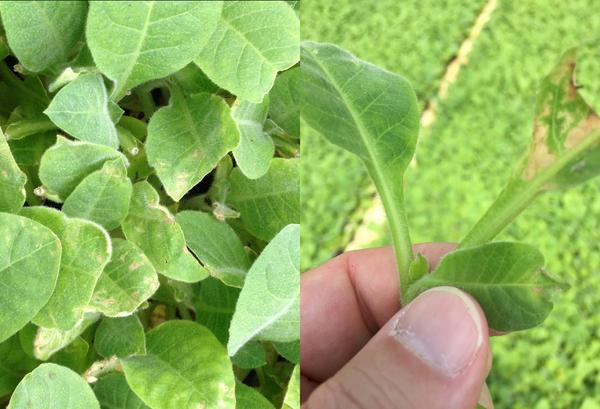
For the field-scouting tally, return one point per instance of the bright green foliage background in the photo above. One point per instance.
(109, 295)
(482, 128)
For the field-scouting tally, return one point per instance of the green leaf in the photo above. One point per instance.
(194, 369)
(285, 101)
(120, 336)
(187, 139)
(43, 33)
(564, 151)
(216, 245)
(29, 263)
(81, 109)
(48, 341)
(185, 268)
(153, 228)
(53, 386)
(28, 153)
(250, 356)
(214, 303)
(507, 279)
(113, 392)
(372, 113)
(14, 365)
(155, 38)
(74, 356)
(262, 37)
(192, 80)
(269, 203)
(21, 128)
(269, 305)
(28, 93)
(12, 180)
(103, 196)
(127, 281)
(292, 396)
(86, 249)
(253, 154)
(250, 398)
(289, 350)
(67, 163)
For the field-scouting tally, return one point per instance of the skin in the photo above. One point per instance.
(349, 359)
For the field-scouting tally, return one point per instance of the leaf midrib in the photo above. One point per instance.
(393, 208)
(136, 52)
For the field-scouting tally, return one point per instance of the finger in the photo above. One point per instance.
(433, 354)
(307, 387)
(346, 301)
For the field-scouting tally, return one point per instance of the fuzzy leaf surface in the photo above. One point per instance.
(12, 180)
(285, 101)
(270, 203)
(52, 386)
(102, 197)
(30, 256)
(81, 109)
(214, 303)
(86, 249)
(65, 164)
(120, 336)
(262, 37)
(127, 281)
(269, 305)
(113, 392)
(193, 366)
(48, 341)
(151, 40)
(154, 230)
(43, 33)
(216, 245)
(187, 139)
(253, 154)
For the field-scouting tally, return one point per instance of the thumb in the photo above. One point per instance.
(434, 353)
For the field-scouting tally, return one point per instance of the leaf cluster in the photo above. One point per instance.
(149, 204)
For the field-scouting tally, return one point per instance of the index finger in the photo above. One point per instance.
(345, 301)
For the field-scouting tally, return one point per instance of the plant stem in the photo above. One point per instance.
(518, 194)
(26, 127)
(393, 201)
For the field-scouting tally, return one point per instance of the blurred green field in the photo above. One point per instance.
(463, 160)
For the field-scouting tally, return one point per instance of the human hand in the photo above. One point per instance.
(361, 350)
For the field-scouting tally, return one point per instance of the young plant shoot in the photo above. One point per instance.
(373, 113)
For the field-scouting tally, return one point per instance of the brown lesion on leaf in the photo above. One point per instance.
(540, 155)
(570, 118)
(580, 132)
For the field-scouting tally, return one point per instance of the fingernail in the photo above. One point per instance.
(442, 328)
